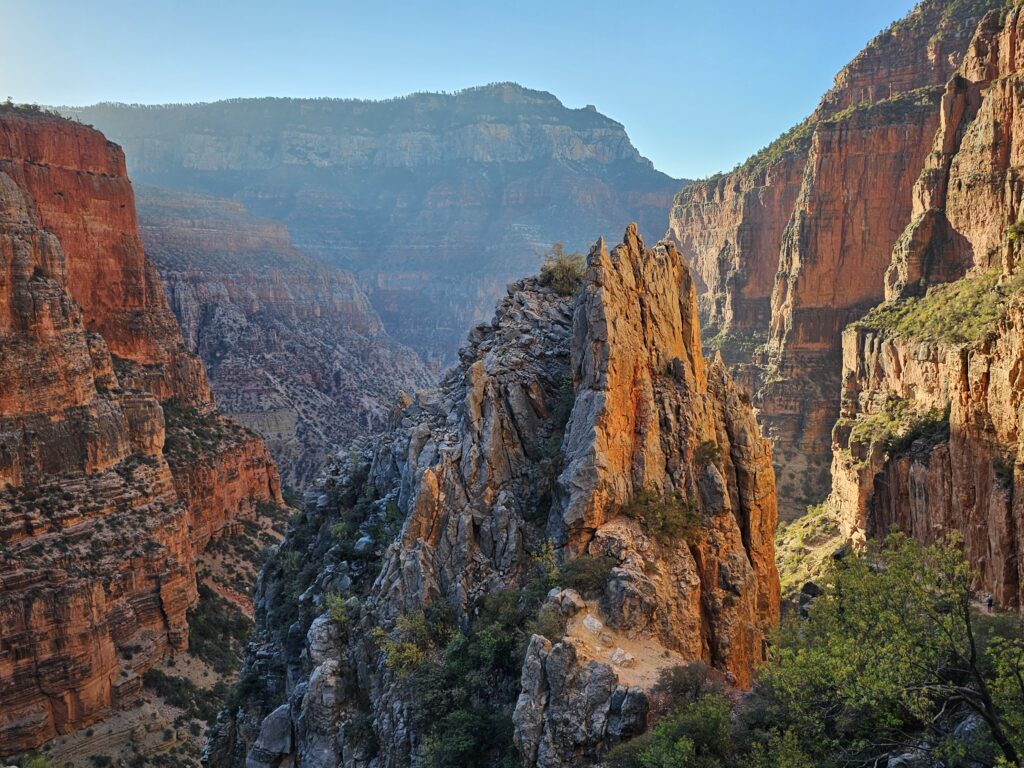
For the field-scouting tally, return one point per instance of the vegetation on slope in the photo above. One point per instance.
(562, 271)
(961, 312)
(891, 659)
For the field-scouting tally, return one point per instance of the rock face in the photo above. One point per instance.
(482, 477)
(929, 439)
(115, 469)
(795, 243)
(292, 347)
(434, 201)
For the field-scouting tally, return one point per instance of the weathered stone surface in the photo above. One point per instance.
(469, 467)
(434, 201)
(795, 243)
(966, 481)
(293, 348)
(115, 470)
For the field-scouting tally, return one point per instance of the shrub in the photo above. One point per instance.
(687, 683)
(694, 735)
(217, 631)
(405, 647)
(562, 271)
(960, 312)
(666, 517)
(587, 574)
(342, 610)
(708, 452)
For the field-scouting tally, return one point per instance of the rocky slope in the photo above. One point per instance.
(929, 439)
(292, 347)
(115, 469)
(576, 433)
(434, 201)
(795, 243)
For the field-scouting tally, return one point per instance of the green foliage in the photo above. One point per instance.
(890, 656)
(898, 426)
(463, 682)
(685, 683)
(405, 647)
(217, 631)
(343, 611)
(804, 548)
(587, 574)
(562, 271)
(708, 452)
(779, 750)
(667, 517)
(183, 694)
(696, 734)
(961, 312)
(883, 651)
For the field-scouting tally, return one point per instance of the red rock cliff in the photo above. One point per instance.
(795, 243)
(293, 348)
(115, 470)
(929, 439)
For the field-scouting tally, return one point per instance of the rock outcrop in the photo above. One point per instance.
(795, 243)
(115, 469)
(929, 441)
(434, 201)
(586, 429)
(292, 347)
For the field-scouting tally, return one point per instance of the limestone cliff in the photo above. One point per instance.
(292, 347)
(575, 431)
(434, 201)
(115, 469)
(795, 243)
(929, 439)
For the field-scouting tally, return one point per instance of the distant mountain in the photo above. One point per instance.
(435, 201)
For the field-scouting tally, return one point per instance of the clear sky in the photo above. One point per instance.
(698, 85)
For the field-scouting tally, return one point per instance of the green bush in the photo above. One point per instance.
(342, 610)
(696, 734)
(217, 631)
(667, 517)
(708, 452)
(960, 312)
(562, 271)
(587, 574)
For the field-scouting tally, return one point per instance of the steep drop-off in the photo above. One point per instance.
(576, 431)
(115, 469)
(795, 243)
(292, 347)
(930, 436)
(434, 201)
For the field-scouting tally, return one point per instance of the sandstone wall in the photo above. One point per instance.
(102, 512)
(795, 243)
(472, 470)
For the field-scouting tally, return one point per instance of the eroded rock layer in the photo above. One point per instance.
(292, 347)
(795, 243)
(115, 469)
(434, 201)
(586, 428)
(929, 441)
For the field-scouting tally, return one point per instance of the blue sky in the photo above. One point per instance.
(698, 85)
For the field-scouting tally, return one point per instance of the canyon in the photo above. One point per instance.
(498, 561)
(588, 421)
(433, 201)
(116, 470)
(292, 347)
(929, 436)
(795, 243)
